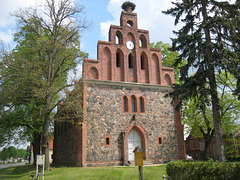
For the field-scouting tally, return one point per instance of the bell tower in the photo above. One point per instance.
(128, 18)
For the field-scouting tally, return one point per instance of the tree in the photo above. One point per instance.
(9, 152)
(203, 43)
(231, 22)
(22, 153)
(168, 57)
(197, 118)
(48, 48)
(4, 154)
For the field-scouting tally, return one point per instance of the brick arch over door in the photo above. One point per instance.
(106, 65)
(93, 73)
(155, 69)
(143, 135)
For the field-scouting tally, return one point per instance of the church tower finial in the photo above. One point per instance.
(128, 6)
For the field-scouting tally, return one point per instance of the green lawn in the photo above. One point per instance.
(91, 173)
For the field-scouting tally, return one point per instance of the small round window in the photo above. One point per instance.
(129, 23)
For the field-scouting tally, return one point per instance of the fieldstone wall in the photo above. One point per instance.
(105, 118)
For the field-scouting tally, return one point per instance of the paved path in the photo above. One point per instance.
(10, 165)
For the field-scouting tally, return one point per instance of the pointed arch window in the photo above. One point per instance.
(142, 62)
(142, 41)
(130, 60)
(142, 105)
(118, 59)
(125, 104)
(118, 38)
(167, 80)
(133, 104)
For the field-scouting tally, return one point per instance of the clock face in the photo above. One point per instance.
(130, 45)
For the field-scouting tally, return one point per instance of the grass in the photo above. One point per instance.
(90, 173)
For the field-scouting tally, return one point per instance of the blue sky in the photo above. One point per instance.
(101, 13)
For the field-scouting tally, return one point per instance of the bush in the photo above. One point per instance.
(233, 158)
(195, 170)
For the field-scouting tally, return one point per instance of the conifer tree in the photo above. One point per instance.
(203, 42)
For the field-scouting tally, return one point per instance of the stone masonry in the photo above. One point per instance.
(105, 117)
(122, 102)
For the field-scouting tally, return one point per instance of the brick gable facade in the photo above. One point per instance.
(123, 104)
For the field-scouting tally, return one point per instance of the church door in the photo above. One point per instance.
(134, 140)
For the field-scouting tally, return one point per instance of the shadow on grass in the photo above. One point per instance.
(17, 171)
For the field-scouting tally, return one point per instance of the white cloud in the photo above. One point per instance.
(104, 29)
(7, 21)
(9, 6)
(150, 17)
(6, 37)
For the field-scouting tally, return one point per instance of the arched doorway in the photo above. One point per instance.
(134, 140)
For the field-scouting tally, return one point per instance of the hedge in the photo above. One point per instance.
(199, 170)
(233, 158)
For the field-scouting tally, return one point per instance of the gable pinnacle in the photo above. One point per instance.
(128, 6)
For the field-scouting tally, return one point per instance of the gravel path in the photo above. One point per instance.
(10, 165)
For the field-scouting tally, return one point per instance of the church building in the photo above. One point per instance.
(123, 104)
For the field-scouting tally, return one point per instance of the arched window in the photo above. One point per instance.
(130, 60)
(118, 38)
(142, 41)
(93, 73)
(125, 104)
(129, 23)
(142, 104)
(133, 104)
(118, 59)
(167, 80)
(142, 62)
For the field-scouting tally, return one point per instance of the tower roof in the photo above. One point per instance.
(128, 6)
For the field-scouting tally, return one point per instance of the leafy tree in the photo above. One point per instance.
(12, 151)
(4, 154)
(22, 153)
(168, 57)
(198, 119)
(202, 41)
(36, 71)
(9, 152)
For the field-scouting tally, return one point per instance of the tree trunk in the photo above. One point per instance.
(36, 146)
(206, 150)
(45, 144)
(213, 90)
